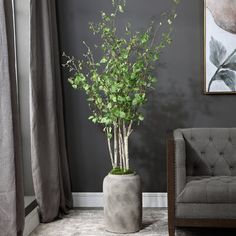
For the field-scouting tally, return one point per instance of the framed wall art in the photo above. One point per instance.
(220, 46)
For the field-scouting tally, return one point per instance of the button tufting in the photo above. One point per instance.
(230, 139)
(221, 153)
(202, 152)
(212, 167)
(210, 138)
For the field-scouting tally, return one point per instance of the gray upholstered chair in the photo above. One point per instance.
(202, 178)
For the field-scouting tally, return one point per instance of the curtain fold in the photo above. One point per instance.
(48, 150)
(11, 176)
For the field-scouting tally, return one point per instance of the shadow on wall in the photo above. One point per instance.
(200, 104)
(169, 104)
(208, 110)
(149, 137)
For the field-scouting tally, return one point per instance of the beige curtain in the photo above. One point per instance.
(49, 158)
(11, 180)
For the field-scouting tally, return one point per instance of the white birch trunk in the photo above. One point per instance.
(115, 145)
(126, 151)
(120, 149)
(110, 151)
(130, 128)
(125, 145)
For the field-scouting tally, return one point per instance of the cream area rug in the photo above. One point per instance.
(89, 222)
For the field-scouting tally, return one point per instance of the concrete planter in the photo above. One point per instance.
(122, 203)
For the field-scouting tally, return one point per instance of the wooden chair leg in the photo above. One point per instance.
(171, 184)
(171, 231)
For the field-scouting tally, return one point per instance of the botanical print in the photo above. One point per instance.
(220, 46)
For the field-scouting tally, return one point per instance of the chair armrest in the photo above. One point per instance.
(180, 161)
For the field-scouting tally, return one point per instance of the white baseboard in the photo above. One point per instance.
(31, 222)
(95, 199)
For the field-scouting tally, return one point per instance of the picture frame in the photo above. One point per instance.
(219, 48)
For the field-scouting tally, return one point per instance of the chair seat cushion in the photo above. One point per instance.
(206, 210)
(208, 189)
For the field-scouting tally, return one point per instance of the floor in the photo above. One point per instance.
(89, 222)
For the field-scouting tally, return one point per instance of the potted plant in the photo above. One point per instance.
(116, 87)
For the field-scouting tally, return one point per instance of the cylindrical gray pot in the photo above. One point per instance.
(122, 203)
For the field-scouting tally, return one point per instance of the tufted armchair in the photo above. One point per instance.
(201, 178)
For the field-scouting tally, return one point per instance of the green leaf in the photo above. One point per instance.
(176, 1)
(95, 120)
(105, 120)
(120, 8)
(141, 118)
(113, 98)
(86, 87)
(113, 88)
(103, 60)
(121, 99)
(99, 100)
(135, 102)
(103, 14)
(128, 98)
(106, 30)
(90, 99)
(71, 81)
(122, 114)
(144, 38)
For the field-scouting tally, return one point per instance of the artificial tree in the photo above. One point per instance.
(116, 86)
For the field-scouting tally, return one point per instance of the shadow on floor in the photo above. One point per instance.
(205, 232)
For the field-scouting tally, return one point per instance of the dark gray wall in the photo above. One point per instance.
(178, 100)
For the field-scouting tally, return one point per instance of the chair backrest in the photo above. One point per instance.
(210, 151)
